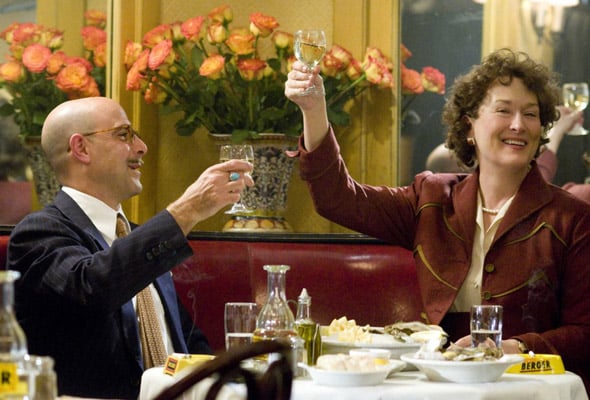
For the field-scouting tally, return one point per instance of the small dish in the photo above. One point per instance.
(463, 371)
(380, 354)
(348, 378)
(331, 345)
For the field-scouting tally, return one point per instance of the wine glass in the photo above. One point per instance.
(310, 47)
(575, 96)
(237, 152)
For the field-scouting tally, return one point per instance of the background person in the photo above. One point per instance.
(500, 235)
(76, 296)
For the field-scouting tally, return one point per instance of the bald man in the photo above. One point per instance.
(76, 296)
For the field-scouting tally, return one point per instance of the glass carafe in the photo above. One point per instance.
(275, 320)
(13, 343)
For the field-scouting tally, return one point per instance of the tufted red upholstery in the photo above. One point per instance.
(3, 249)
(346, 275)
(361, 279)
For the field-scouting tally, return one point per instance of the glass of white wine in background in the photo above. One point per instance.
(310, 47)
(237, 152)
(575, 96)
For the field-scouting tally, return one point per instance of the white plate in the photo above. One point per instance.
(463, 371)
(331, 345)
(347, 378)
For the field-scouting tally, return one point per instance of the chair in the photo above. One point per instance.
(274, 384)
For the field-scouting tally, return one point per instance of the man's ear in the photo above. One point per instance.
(79, 149)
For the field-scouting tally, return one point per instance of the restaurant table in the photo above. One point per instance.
(409, 385)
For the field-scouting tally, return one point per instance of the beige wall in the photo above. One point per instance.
(173, 162)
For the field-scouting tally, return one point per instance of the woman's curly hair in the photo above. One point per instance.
(470, 90)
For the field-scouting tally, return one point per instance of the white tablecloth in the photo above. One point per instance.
(404, 386)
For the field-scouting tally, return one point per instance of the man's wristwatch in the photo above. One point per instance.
(522, 348)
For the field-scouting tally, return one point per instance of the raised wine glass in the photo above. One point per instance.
(237, 152)
(310, 47)
(575, 96)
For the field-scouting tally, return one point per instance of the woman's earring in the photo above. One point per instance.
(471, 141)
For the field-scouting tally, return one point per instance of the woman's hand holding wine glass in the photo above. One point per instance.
(310, 47)
(575, 96)
(237, 152)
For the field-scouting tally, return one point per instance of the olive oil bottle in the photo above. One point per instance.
(308, 329)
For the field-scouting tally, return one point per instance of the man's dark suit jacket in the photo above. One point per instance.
(73, 298)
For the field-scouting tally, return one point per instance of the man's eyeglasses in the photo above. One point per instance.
(124, 133)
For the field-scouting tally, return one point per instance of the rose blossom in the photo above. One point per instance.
(378, 73)
(282, 40)
(377, 56)
(142, 61)
(25, 34)
(354, 70)
(92, 37)
(262, 25)
(341, 54)
(132, 52)
(161, 54)
(90, 90)
(212, 66)
(216, 33)
(191, 28)
(80, 60)
(433, 80)
(100, 55)
(176, 29)
(405, 53)
(8, 33)
(56, 61)
(156, 35)
(411, 81)
(95, 18)
(251, 69)
(241, 43)
(73, 77)
(135, 80)
(153, 93)
(330, 65)
(222, 14)
(35, 57)
(11, 71)
(51, 38)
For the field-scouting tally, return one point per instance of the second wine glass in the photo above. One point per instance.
(575, 96)
(310, 47)
(237, 152)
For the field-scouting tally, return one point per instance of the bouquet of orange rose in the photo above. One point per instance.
(38, 76)
(218, 77)
(415, 83)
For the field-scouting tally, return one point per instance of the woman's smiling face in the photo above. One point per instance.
(508, 128)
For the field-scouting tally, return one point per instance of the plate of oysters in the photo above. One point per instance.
(462, 365)
(343, 335)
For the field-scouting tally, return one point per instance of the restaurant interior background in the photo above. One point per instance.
(448, 34)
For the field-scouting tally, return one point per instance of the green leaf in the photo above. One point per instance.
(6, 110)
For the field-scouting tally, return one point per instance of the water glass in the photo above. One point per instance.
(486, 326)
(240, 323)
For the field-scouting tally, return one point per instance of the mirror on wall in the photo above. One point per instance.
(19, 186)
(450, 35)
